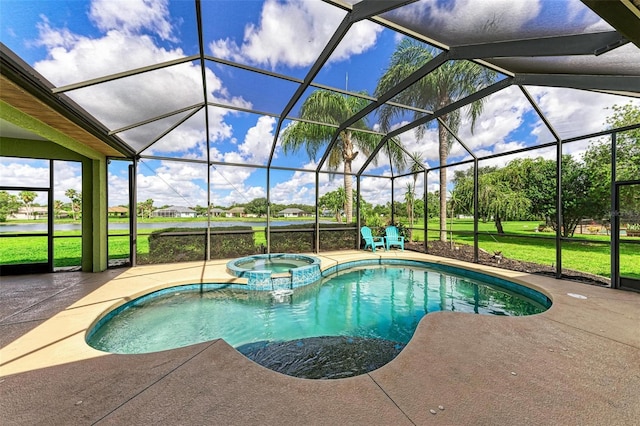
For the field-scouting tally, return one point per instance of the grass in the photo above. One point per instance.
(591, 253)
(520, 242)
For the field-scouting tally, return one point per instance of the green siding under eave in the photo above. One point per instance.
(20, 119)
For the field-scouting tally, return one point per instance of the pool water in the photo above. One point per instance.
(271, 264)
(379, 302)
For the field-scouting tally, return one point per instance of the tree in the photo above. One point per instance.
(409, 199)
(416, 166)
(9, 204)
(76, 202)
(597, 159)
(536, 178)
(257, 206)
(500, 200)
(57, 208)
(381, 210)
(27, 198)
(433, 205)
(525, 188)
(334, 201)
(333, 108)
(449, 82)
(463, 191)
(201, 210)
(145, 208)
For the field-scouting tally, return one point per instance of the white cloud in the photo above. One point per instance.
(292, 191)
(133, 16)
(472, 21)
(17, 172)
(228, 178)
(577, 12)
(239, 194)
(293, 33)
(173, 183)
(576, 112)
(258, 141)
(118, 190)
(35, 173)
(376, 190)
(129, 100)
(67, 175)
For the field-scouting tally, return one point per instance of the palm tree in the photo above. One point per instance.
(57, 208)
(416, 165)
(332, 108)
(76, 201)
(409, 199)
(448, 83)
(27, 198)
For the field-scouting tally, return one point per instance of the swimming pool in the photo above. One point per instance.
(383, 302)
(291, 270)
(270, 262)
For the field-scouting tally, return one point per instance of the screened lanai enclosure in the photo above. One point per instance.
(272, 126)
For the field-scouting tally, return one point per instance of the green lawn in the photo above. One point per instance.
(521, 242)
(591, 254)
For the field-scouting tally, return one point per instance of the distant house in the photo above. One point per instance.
(33, 213)
(327, 212)
(292, 212)
(217, 212)
(236, 212)
(175, 211)
(118, 211)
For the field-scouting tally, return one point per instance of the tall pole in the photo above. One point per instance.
(269, 209)
(615, 219)
(559, 209)
(426, 209)
(133, 212)
(358, 219)
(476, 204)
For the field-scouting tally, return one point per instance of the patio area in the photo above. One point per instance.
(577, 363)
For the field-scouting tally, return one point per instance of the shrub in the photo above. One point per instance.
(236, 244)
(301, 238)
(176, 245)
(188, 244)
(338, 239)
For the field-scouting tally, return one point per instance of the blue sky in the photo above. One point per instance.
(73, 41)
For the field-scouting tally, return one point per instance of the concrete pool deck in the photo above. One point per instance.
(576, 364)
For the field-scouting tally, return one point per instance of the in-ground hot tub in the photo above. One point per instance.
(276, 271)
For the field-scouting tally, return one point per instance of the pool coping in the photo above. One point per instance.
(571, 334)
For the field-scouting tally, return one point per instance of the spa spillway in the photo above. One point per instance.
(276, 271)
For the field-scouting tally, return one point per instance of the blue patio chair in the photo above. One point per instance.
(393, 237)
(370, 240)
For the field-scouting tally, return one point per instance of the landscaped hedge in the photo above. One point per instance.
(346, 238)
(188, 244)
(301, 238)
(236, 244)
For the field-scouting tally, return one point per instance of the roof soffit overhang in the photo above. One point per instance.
(623, 15)
(26, 91)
